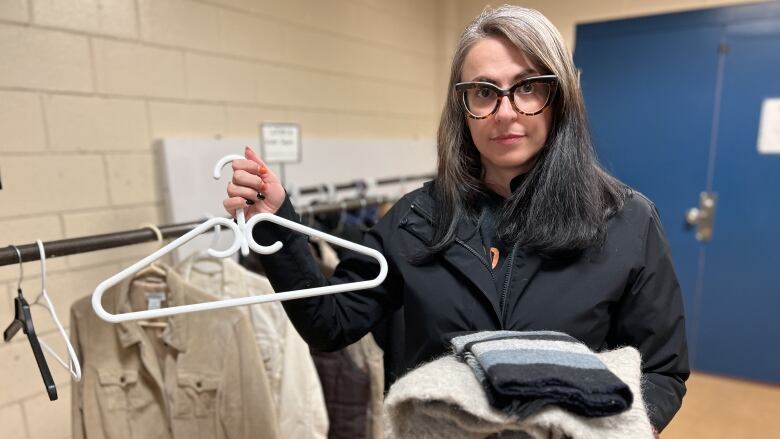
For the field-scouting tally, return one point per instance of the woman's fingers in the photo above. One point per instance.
(253, 187)
(246, 166)
(233, 203)
(244, 178)
(263, 170)
(234, 190)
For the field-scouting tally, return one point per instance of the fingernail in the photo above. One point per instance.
(262, 187)
(249, 202)
(263, 169)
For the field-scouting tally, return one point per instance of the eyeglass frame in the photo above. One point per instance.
(461, 87)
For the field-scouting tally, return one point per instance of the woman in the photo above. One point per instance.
(520, 230)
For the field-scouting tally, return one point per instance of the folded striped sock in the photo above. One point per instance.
(524, 371)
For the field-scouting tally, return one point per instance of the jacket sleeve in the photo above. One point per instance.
(333, 321)
(650, 317)
(247, 407)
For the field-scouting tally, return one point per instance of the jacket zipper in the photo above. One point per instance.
(485, 263)
(507, 280)
(475, 253)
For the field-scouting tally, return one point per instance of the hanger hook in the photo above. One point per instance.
(155, 229)
(21, 267)
(311, 215)
(42, 253)
(217, 231)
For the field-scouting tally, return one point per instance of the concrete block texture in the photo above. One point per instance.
(174, 119)
(135, 69)
(110, 17)
(44, 59)
(12, 420)
(251, 36)
(57, 415)
(133, 179)
(21, 122)
(244, 121)
(14, 10)
(180, 23)
(220, 79)
(85, 123)
(51, 183)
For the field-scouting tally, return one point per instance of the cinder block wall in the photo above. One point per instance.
(87, 85)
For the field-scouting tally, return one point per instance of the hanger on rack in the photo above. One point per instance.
(155, 276)
(153, 272)
(243, 239)
(72, 365)
(23, 321)
(202, 261)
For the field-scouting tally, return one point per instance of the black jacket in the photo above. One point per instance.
(625, 293)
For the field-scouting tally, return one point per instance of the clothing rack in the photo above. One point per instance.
(84, 244)
(362, 184)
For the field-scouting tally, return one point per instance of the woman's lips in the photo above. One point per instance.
(507, 139)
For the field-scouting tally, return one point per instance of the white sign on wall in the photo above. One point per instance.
(280, 142)
(769, 127)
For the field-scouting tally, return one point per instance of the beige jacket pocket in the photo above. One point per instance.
(196, 395)
(114, 388)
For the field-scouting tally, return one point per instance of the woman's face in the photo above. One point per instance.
(508, 142)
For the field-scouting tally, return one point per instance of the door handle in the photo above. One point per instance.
(703, 217)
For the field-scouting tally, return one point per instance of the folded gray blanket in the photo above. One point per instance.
(523, 372)
(443, 399)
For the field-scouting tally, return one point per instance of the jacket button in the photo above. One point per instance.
(404, 220)
(122, 380)
(199, 384)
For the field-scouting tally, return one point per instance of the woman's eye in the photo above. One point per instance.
(485, 93)
(526, 88)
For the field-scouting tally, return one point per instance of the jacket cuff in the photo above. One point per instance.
(266, 232)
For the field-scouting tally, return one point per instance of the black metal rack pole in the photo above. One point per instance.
(84, 244)
(361, 184)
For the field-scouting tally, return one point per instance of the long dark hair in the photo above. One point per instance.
(563, 204)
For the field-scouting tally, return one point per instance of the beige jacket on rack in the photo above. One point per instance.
(200, 377)
(295, 385)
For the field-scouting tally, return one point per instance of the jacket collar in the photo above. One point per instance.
(130, 333)
(423, 203)
(466, 254)
(231, 276)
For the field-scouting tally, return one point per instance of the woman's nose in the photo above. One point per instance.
(505, 110)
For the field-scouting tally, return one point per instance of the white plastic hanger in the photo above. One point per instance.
(72, 365)
(242, 239)
(202, 261)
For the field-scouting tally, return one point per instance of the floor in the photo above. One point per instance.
(718, 407)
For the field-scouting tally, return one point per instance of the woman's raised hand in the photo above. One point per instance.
(254, 187)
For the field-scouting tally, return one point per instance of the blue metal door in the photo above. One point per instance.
(672, 116)
(739, 331)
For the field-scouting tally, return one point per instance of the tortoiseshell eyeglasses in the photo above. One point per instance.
(529, 96)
